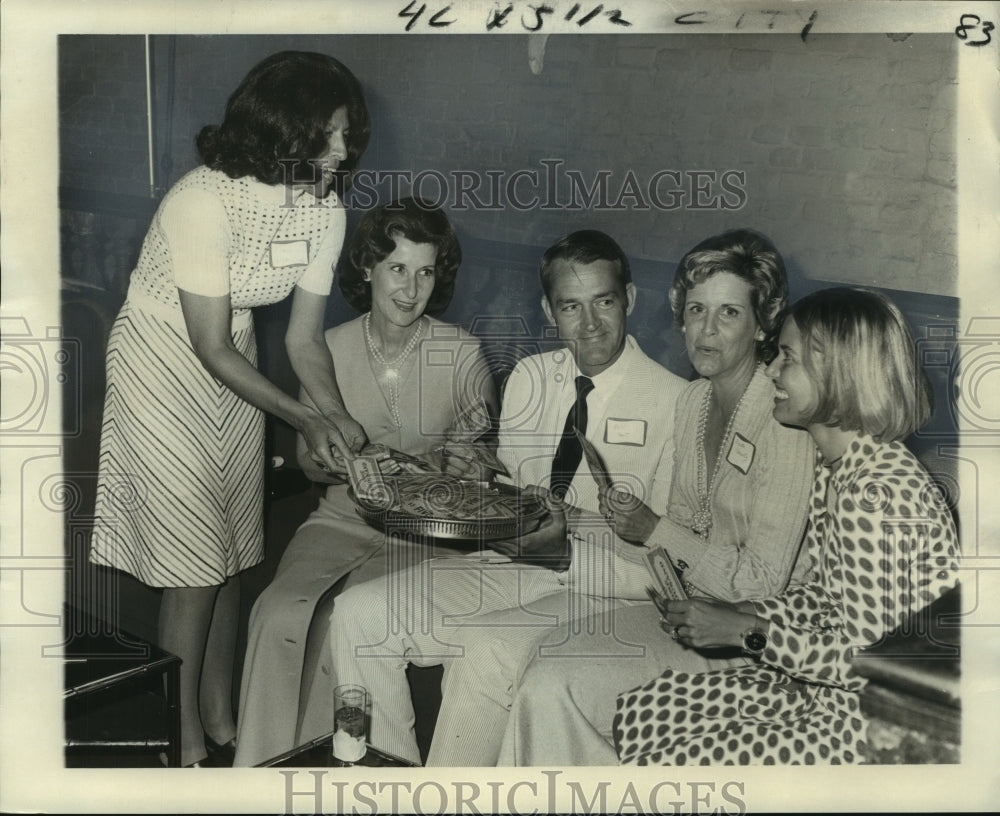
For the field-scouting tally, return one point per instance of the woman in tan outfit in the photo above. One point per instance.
(406, 376)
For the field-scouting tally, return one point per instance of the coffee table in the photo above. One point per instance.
(319, 754)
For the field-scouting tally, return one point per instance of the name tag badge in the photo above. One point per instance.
(625, 432)
(289, 253)
(741, 453)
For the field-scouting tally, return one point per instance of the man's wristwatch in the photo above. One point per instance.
(754, 641)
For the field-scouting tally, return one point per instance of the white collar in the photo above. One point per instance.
(612, 375)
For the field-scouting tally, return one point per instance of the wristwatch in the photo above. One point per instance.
(754, 641)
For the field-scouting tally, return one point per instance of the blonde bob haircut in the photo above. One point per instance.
(858, 350)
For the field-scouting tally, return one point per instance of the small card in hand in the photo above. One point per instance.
(594, 462)
(366, 480)
(488, 459)
(668, 584)
(392, 461)
(658, 600)
(471, 423)
(476, 453)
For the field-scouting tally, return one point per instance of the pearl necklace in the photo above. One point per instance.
(392, 366)
(701, 521)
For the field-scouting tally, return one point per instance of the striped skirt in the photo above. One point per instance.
(181, 483)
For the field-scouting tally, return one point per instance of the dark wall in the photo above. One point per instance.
(847, 141)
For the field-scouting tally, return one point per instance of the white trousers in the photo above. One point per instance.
(481, 617)
(286, 693)
(564, 703)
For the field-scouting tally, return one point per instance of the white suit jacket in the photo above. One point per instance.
(630, 422)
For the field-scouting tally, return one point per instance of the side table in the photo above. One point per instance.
(913, 697)
(115, 695)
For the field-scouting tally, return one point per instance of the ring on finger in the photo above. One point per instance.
(675, 633)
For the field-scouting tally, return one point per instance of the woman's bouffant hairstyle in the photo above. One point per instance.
(280, 112)
(375, 239)
(752, 257)
(859, 352)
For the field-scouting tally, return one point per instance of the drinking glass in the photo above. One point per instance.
(350, 723)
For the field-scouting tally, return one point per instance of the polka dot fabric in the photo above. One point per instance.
(259, 215)
(882, 545)
(203, 521)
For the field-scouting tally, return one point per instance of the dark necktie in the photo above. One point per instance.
(570, 451)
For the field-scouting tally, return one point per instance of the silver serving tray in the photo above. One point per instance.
(472, 530)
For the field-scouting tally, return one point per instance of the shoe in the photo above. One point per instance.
(201, 763)
(220, 755)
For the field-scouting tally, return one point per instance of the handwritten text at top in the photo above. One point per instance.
(529, 17)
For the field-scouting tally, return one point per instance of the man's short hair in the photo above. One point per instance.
(584, 247)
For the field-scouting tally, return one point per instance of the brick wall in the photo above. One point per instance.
(846, 141)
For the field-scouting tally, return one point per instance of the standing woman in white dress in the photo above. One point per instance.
(180, 492)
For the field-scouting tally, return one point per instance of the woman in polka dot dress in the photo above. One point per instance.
(883, 545)
(181, 484)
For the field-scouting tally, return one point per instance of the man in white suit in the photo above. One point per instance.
(481, 615)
